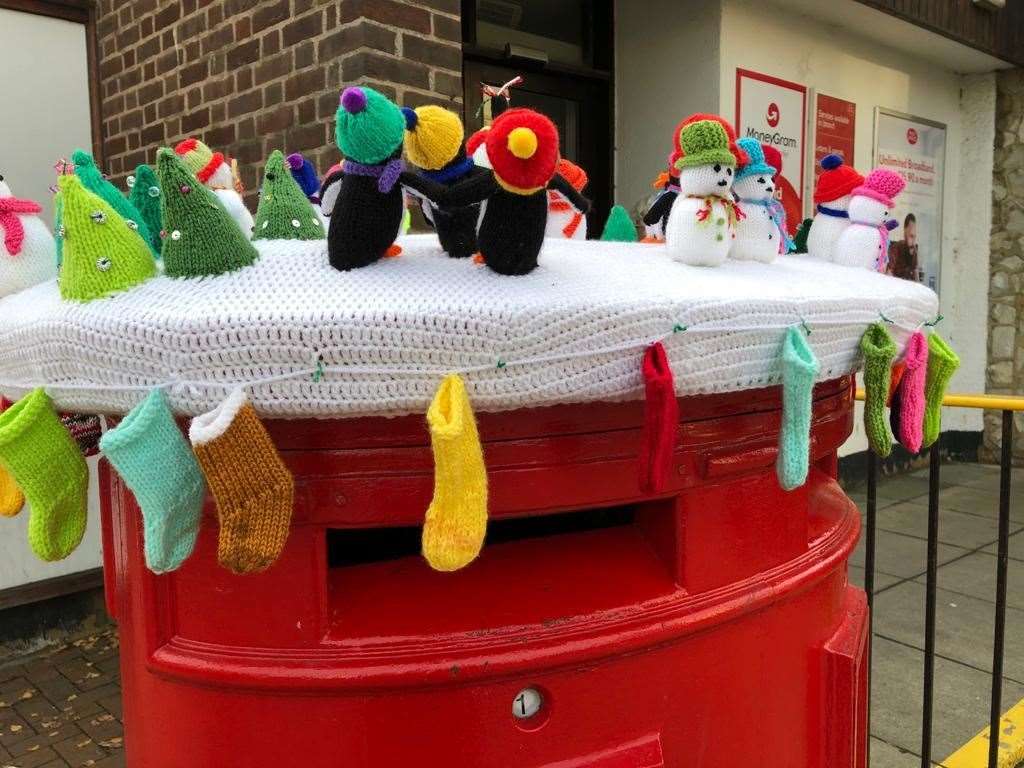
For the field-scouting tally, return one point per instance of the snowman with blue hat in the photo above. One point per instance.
(760, 232)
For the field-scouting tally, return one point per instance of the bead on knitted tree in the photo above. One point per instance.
(284, 211)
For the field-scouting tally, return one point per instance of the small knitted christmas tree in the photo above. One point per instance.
(284, 212)
(619, 227)
(102, 254)
(800, 238)
(92, 179)
(200, 236)
(145, 196)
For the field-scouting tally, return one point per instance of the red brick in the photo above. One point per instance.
(193, 122)
(276, 119)
(245, 103)
(273, 68)
(432, 53)
(244, 53)
(221, 136)
(448, 85)
(243, 79)
(387, 12)
(303, 84)
(367, 64)
(446, 28)
(153, 135)
(270, 43)
(305, 28)
(193, 73)
(268, 14)
(361, 35)
(306, 137)
(151, 91)
(304, 54)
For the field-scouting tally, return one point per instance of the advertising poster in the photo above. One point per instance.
(916, 149)
(774, 111)
(835, 123)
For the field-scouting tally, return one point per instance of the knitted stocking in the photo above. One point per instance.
(911, 394)
(456, 521)
(155, 461)
(942, 364)
(879, 350)
(661, 420)
(47, 465)
(253, 489)
(11, 497)
(799, 369)
(898, 369)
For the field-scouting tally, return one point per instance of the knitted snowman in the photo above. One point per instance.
(832, 204)
(28, 253)
(759, 231)
(214, 172)
(564, 219)
(284, 212)
(702, 222)
(865, 242)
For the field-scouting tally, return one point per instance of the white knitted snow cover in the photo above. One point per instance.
(574, 330)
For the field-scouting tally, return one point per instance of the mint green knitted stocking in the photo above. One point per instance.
(799, 370)
(879, 351)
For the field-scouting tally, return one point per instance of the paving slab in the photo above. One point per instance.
(882, 580)
(1016, 549)
(975, 575)
(958, 528)
(980, 501)
(904, 556)
(885, 755)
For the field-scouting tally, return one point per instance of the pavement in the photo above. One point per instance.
(61, 708)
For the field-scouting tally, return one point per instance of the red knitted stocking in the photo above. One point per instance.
(661, 420)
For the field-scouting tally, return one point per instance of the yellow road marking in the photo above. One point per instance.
(974, 754)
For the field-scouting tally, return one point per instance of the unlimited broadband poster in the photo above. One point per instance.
(774, 112)
(916, 149)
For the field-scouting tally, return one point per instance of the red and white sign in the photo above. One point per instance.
(835, 123)
(774, 112)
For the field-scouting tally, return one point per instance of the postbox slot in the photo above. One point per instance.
(533, 570)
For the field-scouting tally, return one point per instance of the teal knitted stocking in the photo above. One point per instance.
(155, 461)
(799, 370)
(879, 351)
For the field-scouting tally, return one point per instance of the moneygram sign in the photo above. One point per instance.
(774, 112)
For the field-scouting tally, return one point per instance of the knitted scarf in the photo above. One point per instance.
(778, 215)
(14, 232)
(385, 173)
(704, 213)
(557, 203)
(451, 172)
(834, 212)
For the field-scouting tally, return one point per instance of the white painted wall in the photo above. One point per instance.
(44, 116)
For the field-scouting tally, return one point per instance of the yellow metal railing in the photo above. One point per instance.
(987, 402)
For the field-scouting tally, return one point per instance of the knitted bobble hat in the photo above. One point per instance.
(145, 196)
(202, 161)
(284, 212)
(369, 128)
(102, 254)
(433, 136)
(704, 142)
(836, 180)
(881, 185)
(523, 148)
(772, 157)
(304, 174)
(737, 151)
(92, 179)
(757, 165)
(200, 237)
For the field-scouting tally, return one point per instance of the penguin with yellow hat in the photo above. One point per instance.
(433, 144)
(522, 147)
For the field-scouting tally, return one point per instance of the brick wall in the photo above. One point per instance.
(251, 77)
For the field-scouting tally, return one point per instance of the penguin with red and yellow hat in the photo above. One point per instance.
(522, 148)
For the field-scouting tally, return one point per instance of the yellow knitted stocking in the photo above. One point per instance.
(11, 499)
(253, 489)
(456, 521)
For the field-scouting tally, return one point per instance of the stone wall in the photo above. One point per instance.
(250, 77)
(1006, 283)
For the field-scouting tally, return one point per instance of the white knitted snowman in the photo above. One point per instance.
(832, 205)
(865, 243)
(28, 253)
(214, 171)
(564, 220)
(702, 222)
(758, 231)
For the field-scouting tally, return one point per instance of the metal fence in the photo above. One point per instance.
(1007, 406)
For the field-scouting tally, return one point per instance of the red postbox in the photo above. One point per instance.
(710, 626)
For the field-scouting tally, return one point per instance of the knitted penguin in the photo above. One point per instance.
(92, 179)
(522, 146)
(832, 204)
(433, 143)
(284, 212)
(564, 220)
(200, 237)
(366, 215)
(103, 255)
(865, 243)
(476, 148)
(145, 196)
(27, 249)
(703, 219)
(217, 173)
(760, 233)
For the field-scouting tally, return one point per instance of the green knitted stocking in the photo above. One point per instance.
(879, 351)
(942, 364)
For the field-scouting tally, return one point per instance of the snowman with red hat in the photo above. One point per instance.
(832, 205)
(217, 173)
(865, 243)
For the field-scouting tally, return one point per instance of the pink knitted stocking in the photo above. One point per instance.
(912, 398)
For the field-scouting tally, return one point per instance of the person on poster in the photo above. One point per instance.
(903, 260)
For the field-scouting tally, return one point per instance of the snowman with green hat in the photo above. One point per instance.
(284, 212)
(702, 222)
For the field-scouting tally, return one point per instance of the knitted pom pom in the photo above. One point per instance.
(410, 118)
(831, 162)
(523, 148)
(353, 100)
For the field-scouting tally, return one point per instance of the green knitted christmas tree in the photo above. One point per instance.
(800, 239)
(619, 227)
(145, 196)
(92, 179)
(200, 237)
(284, 211)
